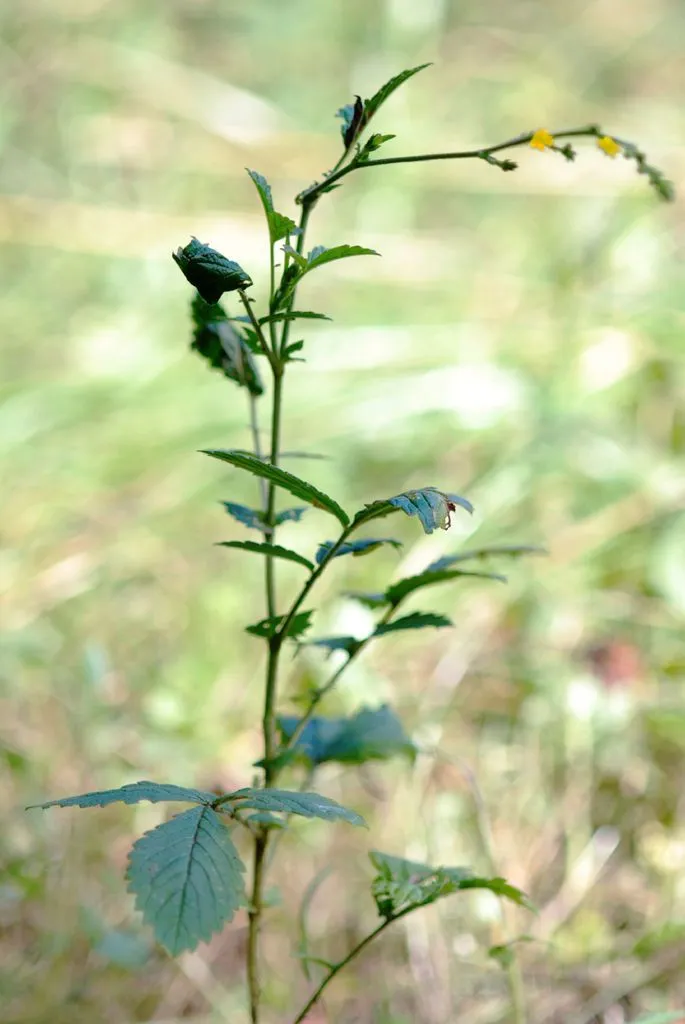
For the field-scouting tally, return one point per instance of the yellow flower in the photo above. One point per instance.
(609, 146)
(542, 139)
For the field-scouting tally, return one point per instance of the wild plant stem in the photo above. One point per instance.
(314, 191)
(336, 968)
(256, 908)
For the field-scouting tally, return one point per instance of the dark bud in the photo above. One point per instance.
(209, 271)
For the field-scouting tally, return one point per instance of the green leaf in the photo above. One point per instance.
(281, 478)
(373, 143)
(349, 644)
(308, 805)
(209, 271)
(295, 314)
(187, 878)
(355, 547)
(268, 549)
(368, 600)
(290, 349)
(133, 794)
(385, 92)
(402, 885)
(279, 225)
(508, 550)
(320, 255)
(398, 591)
(254, 518)
(416, 620)
(223, 348)
(251, 517)
(433, 507)
(369, 735)
(269, 627)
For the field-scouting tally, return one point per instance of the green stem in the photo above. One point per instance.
(274, 362)
(311, 194)
(336, 968)
(256, 909)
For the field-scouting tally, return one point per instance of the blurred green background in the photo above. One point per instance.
(520, 342)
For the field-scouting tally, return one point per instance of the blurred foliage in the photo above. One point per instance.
(519, 342)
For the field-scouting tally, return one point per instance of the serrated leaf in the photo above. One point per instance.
(289, 515)
(398, 591)
(223, 348)
(433, 507)
(274, 550)
(307, 805)
(133, 793)
(505, 550)
(355, 547)
(368, 600)
(264, 189)
(290, 349)
(385, 92)
(401, 885)
(416, 620)
(349, 644)
(210, 271)
(281, 478)
(373, 143)
(269, 627)
(279, 225)
(369, 735)
(320, 255)
(251, 517)
(295, 314)
(187, 878)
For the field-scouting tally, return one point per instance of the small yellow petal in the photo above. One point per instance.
(609, 146)
(542, 139)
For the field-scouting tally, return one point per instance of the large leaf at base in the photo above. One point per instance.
(370, 735)
(432, 506)
(415, 620)
(398, 591)
(268, 549)
(504, 550)
(187, 878)
(355, 547)
(281, 478)
(401, 885)
(308, 805)
(133, 793)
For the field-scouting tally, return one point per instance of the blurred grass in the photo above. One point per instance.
(519, 342)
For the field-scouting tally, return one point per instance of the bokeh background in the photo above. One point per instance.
(520, 341)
